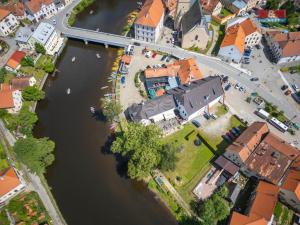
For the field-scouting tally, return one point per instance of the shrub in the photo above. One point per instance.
(27, 61)
(39, 48)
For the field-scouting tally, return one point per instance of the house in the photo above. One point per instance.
(40, 9)
(290, 189)
(211, 7)
(47, 36)
(233, 45)
(260, 211)
(14, 62)
(194, 28)
(235, 6)
(194, 99)
(252, 3)
(124, 64)
(252, 32)
(17, 9)
(181, 8)
(153, 111)
(149, 22)
(239, 151)
(8, 22)
(188, 70)
(20, 83)
(266, 16)
(10, 99)
(22, 37)
(10, 185)
(285, 47)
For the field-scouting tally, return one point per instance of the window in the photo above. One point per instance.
(196, 37)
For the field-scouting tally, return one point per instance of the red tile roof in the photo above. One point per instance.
(35, 5)
(189, 70)
(263, 14)
(288, 42)
(151, 13)
(15, 60)
(292, 180)
(17, 8)
(6, 98)
(3, 13)
(235, 35)
(8, 181)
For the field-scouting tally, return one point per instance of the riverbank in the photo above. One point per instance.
(82, 5)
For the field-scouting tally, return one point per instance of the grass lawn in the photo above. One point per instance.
(37, 73)
(224, 12)
(193, 161)
(43, 60)
(221, 110)
(3, 161)
(8, 77)
(283, 215)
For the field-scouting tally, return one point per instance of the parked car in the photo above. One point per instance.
(168, 58)
(154, 55)
(230, 135)
(226, 138)
(254, 79)
(296, 126)
(123, 79)
(241, 88)
(232, 131)
(206, 116)
(225, 79)
(213, 116)
(227, 87)
(163, 58)
(295, 87)
(196, 123)
(288, 92)
(237, 130)
(258, 46)
(284, 87)
(136, 44)
(237, 85)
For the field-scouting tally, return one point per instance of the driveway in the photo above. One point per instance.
(12, 48)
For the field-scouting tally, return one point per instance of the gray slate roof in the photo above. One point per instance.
(198, 94)
(192, 17)
(150, 108)
(23, 34)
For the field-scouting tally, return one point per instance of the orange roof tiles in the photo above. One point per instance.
(248, 26)
(3, 13)
(35, 5)
(209, 5)
(151, 13)
(6, 98)
(189, 71)
(8, 181)
(15, 60)
(170, 71)
(292, 180)
(17, 8)
(262, 207)
(235, 35)
(126, 59)
(245, 144)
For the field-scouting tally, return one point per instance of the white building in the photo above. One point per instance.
(149, 22)
(8, 22)
(40, 9)
(10, 185)
(22, 37)
(285, 47)
(46, 35)
(11, 100)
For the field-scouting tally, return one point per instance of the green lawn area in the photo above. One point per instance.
(221, 110)
(37, 73)
(224, 12)
(43, 60)
(283, 215)
(3, 161)
(35, 213)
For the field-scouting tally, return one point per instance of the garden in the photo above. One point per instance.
(26, 208)
(283, 215)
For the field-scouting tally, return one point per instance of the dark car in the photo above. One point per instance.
(136, 44)
(225, 79)
(254, 79)
(206, 116)
(168, 58)
(196, 123)
(123, 80)
(258, 46)
(237, 130)
(284, 87)
(164, 57)
(230, 135)
(227, 87)
(232, 131)
(226, 138)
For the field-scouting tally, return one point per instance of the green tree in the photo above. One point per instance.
(49, 68)
(168, 157)
(222, 191)
(141, 145)
(2, 75)
(208, 213)
(37, 154)
(222, 209)
(39, 48)
(33, 94)
(110, 109)
(26, 121)
(27, 61)
(3, 113)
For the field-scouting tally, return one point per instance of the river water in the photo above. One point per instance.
(88, 184)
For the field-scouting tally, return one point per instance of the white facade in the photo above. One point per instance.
(253, 39)
(17, 99)
(217, 10)
(148, 33)
(230, 53)
(167, 115)
(8, 25)
(46, 11)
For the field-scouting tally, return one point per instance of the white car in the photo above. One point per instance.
(295, 87)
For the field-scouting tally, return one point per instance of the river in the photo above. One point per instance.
(88, 184)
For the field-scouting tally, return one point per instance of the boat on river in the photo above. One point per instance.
(92, 109)
(91, 12)
(98, 29)
(73, 59)
(98, 55)
(104, 87)
(68, 91)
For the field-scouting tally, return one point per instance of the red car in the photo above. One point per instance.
(154, 55)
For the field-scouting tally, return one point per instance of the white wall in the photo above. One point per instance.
(230, 53)
(8, 25)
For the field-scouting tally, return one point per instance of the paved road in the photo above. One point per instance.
(12, 48)
(35, 182)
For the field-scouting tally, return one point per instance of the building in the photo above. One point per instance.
(22, 37)
(194, 28)
(47, 36)
(10, 185)
(153, 111)
(211, 7)
(171, 5)
(20, 83)
(182, 7)
(188, 70)
(235, 6)
(40, 9)
(11, 100)
(149, 22)
(14, 62)
(261, 208)
(290, 189)
(194, 99)
(233, 45)
(252, 32)
(252, 3)
(240, 34)
(17, 9)
(239, 151)
(285, 47)
(8, 22)
(266, 16)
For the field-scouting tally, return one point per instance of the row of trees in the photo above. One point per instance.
(143, 148)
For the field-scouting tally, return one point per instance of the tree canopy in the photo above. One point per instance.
(49, 68)
(168, 157)
(27, 61)
(2, 75)
(39, 48)
(33, 94)
(37, 154)
(110, 109)
(142, 146)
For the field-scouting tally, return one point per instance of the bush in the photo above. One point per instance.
(39, 48)
(2, 75)
(27, 61)
(49, 68)
(33, 94)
